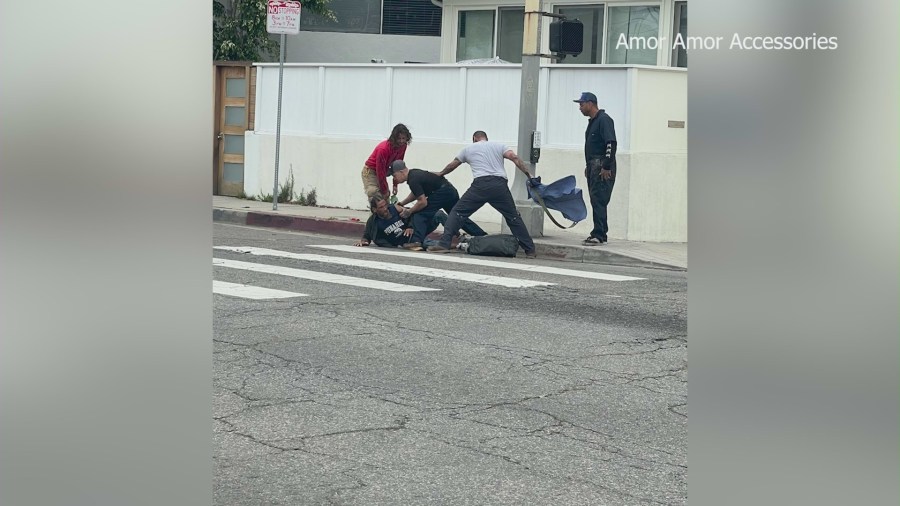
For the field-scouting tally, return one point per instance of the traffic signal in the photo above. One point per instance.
(566, 37)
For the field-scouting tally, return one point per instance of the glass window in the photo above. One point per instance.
(411, 17)
(636, 23)
(234, 116)
(511, 32)
(233, 172)
(679, 55)
(234, 144)
(475, 35)
(234, 87)
(591, 17)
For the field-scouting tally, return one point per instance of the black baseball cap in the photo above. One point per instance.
(586, 96)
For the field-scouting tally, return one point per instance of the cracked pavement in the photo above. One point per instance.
(574, 393)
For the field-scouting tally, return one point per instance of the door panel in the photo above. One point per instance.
(232, 115)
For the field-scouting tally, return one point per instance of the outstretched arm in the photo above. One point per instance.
(450, 167)
(514, 158)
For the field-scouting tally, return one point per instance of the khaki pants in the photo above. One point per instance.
(370, 183)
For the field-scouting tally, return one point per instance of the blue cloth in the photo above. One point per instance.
(561, 196)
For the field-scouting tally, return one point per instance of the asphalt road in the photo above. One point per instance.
(573, 392)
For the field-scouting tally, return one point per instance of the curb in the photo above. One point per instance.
(344, 228)
(355, 229)
(596, 255)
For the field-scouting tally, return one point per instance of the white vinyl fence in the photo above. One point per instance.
(333, 115)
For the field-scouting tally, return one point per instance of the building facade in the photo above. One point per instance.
(489, 28)
(367, 31)
(334, 113)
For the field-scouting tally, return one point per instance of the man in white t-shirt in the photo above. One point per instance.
(489, 186)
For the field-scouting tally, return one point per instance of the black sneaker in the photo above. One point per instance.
(531, 256)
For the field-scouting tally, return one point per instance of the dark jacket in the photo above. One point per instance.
(600, 142)
(386, 232)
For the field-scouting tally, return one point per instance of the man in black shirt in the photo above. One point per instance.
(430, 193)
(600, 163)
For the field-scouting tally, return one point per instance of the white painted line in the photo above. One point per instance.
(468, 259)
(251, 292)
(395, 267)
(319, 276)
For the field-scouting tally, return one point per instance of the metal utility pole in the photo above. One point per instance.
(532, 214)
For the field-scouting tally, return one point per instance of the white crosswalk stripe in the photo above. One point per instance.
(391, 267)
(469, 260)
(320, 276)
(251, 292)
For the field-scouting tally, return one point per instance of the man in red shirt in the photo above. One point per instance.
(377, 167)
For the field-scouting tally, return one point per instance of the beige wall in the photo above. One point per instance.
(649, 201)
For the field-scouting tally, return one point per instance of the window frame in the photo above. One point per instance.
(604, 5)
(659, 28)
(498, 26)
(666, 9)
(661, 55)
(456, 30)
(676, 27)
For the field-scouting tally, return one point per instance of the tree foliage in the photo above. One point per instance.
(239, 29)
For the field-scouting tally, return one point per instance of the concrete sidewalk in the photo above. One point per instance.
(556, 244)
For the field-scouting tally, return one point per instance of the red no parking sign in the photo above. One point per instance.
(283, 16)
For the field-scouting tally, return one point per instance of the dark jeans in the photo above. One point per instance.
(491, 190)
(600, 192)
(444, 198)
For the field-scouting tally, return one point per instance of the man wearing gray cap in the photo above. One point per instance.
(600, 163)
(431, 193)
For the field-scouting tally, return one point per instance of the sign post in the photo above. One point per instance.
(282, 17)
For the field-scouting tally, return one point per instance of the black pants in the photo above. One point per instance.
(600, 192)
(488, 190)
(444, 198)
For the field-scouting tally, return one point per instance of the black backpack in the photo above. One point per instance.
(497, 245)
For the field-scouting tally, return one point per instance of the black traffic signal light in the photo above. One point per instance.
(566, 37)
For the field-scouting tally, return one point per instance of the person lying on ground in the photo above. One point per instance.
(387, 228)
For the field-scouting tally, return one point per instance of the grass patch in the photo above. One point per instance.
(286, 194)
(306, 199)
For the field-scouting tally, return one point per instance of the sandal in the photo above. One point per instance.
(591, 241)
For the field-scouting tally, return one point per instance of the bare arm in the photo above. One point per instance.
(409, 198)
(511, 156)
(450, 167)
(420, 204)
